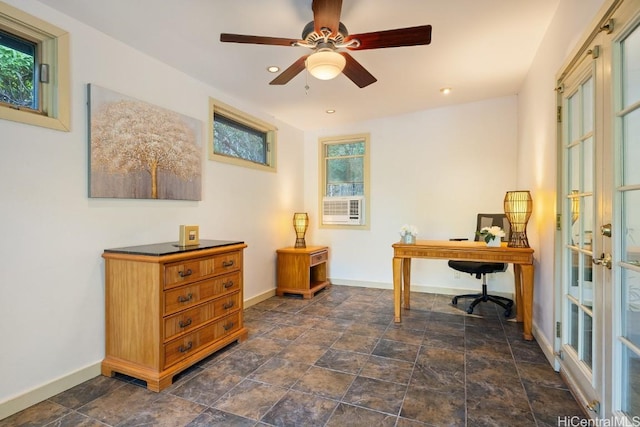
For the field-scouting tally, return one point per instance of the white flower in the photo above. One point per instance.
(489, 233)
(408, 229)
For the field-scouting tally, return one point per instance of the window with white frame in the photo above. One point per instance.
(344, 180)
(34, 70)
(238, 138)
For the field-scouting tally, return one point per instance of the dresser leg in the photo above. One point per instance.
(106, 371)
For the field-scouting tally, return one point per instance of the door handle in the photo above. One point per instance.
(604, 260)
(605, 230)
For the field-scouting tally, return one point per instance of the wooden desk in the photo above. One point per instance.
(521, 258)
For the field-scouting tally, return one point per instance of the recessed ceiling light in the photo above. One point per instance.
(445, 90)
(330, 111)
(273, 68)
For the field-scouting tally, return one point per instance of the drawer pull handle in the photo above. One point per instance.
(228, 284)
(188, 298)
(185, 323)
(226, 264)
(185, 273)
(228, 305)
(228, 326)
(183, 349)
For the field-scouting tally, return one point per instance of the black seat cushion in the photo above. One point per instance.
(477, 268)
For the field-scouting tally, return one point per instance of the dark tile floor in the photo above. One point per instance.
(338, 359)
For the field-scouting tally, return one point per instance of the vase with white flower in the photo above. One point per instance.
(408, 234)
(492, 235)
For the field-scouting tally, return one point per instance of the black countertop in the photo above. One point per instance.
(168, 248)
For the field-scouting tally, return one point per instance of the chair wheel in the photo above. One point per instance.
(470, 310)
(454, 301)
(507, 312)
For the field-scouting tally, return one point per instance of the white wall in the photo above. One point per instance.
(435, 169)
(537, 155)
(53, 235)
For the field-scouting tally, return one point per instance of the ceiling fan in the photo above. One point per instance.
(326, 36)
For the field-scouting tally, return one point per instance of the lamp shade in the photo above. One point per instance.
(517, 207)
(300, 224)
(325, 64)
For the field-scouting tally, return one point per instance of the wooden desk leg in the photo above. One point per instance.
(397, 288)
(406, 279)
(524, 282)
(517, 275)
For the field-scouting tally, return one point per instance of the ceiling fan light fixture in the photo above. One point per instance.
(325, 64)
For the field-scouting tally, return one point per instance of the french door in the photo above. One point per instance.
(626, 76)
(599, 317)
(582, 196)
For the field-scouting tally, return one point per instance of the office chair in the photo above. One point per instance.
(481, 269)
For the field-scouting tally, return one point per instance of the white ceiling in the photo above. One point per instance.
(480, 48)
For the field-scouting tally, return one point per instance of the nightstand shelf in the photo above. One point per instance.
(302, 271)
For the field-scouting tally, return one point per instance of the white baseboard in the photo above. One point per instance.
(546, 346)
(442, 290)
(259, 298)
(38, 394)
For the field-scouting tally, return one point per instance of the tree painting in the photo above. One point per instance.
(139, 150)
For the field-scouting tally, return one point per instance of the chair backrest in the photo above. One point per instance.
(489, 220)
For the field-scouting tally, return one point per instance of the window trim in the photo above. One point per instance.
(220, 108)
(53, 49)
(343, 139)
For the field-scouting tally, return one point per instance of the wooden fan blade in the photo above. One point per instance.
(411, 36)
(326, 14)
(293, 70)
(240, 38)
(356, 72)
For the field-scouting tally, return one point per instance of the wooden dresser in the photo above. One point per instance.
(302, 270)
(168, 307)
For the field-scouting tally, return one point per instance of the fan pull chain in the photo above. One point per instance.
(306, 82)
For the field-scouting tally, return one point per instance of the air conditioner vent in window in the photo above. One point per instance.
(343, 210)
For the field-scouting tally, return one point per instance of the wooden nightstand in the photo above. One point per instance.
(302, 270)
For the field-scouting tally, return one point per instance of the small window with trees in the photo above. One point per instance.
(344, 170)
(240, 139)
(34, 70)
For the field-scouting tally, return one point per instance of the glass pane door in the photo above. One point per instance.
(579, 199)
(628, 270)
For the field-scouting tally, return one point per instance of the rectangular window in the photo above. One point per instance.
(240, 139)
(34, 70)
(344, 181)
(234, 139)
(18, 86)
(344, 168)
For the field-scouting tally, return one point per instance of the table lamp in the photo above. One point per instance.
(300, 224)
(517, 208)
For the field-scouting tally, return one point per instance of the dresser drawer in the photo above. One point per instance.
(319, 257)
(177, 350)
(184, 297)
(191, 319)
(226, 263)
(180, 273)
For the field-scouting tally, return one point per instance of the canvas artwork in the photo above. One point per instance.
(141, 151)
